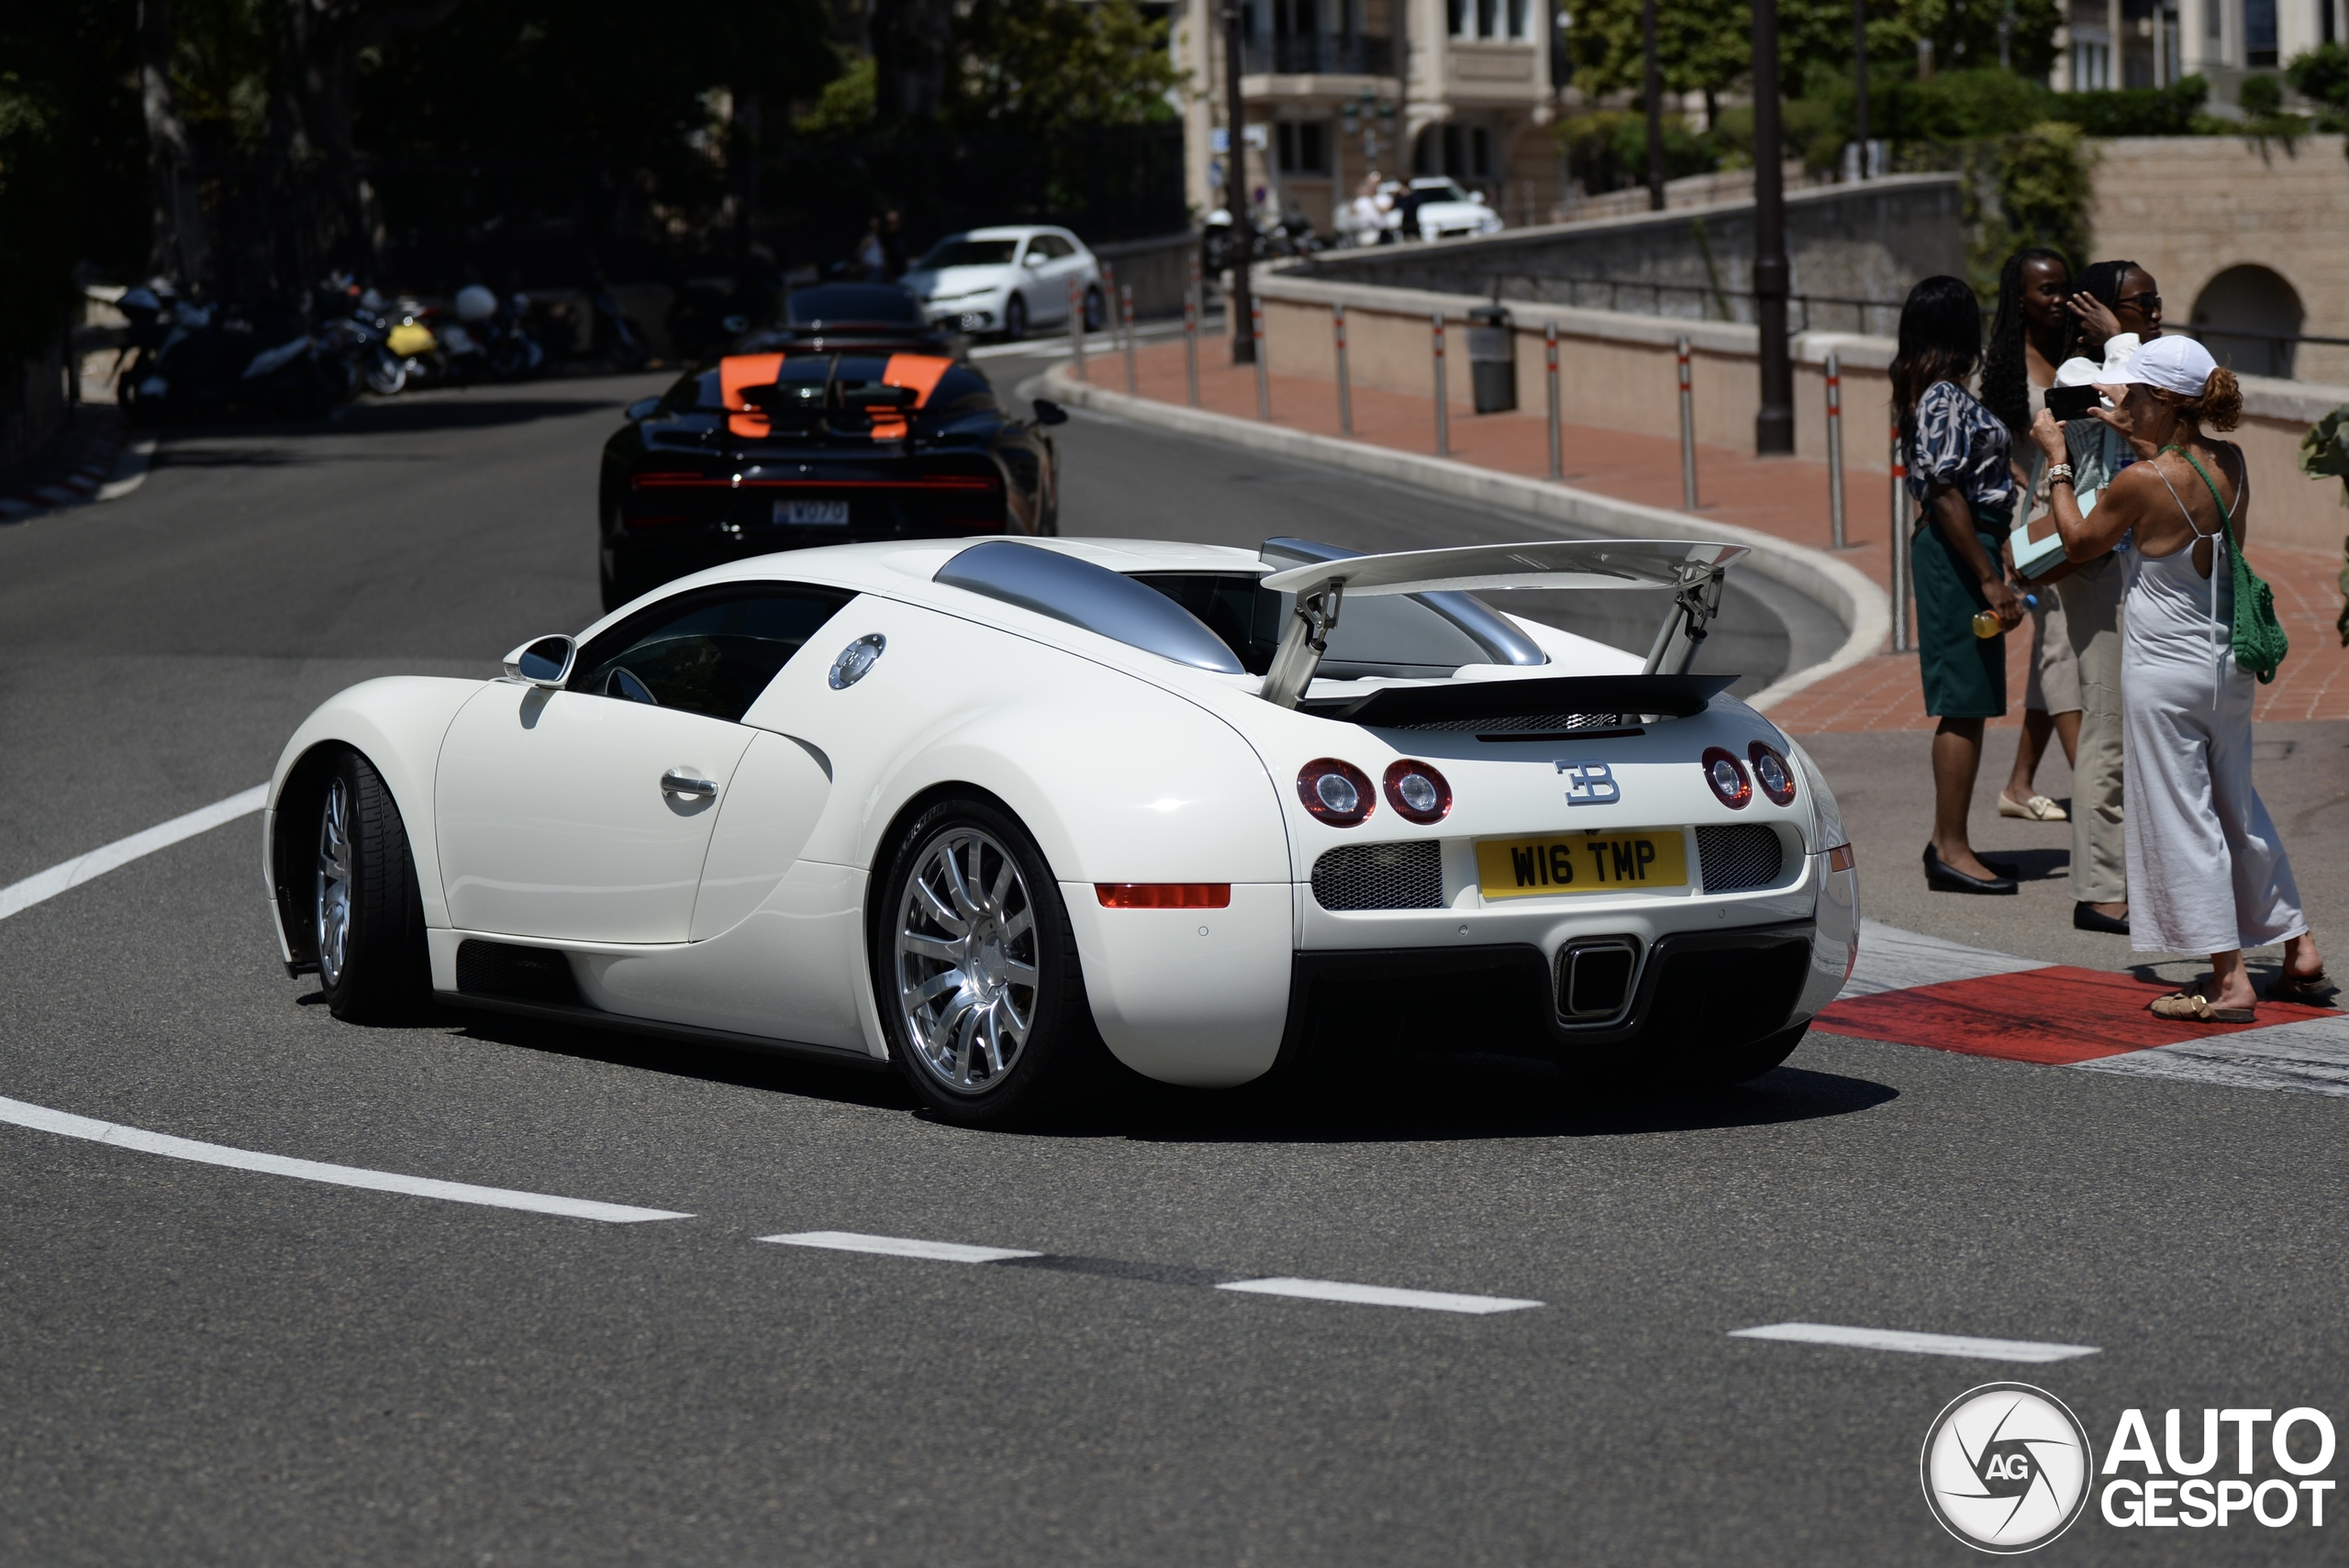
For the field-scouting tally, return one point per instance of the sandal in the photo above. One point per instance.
(2305, 988)
(2186, 1007)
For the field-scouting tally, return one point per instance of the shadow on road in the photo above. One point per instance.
(1402, 1098)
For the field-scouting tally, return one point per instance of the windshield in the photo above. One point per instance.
(958, 251)
(1439, 190)
(854, 302)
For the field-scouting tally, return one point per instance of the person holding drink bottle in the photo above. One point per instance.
(1960, 479)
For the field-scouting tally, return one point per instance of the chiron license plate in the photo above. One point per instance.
(811, 513)
(1582, 863)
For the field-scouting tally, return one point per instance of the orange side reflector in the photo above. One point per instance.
(1164, 894)
(1840, 857)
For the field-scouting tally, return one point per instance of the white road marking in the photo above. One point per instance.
(899, 1247)
(1917, 1345)
(71, 1125)
(1895, 960)
(1378, 1296)
(2309, 1057)
(18, 896)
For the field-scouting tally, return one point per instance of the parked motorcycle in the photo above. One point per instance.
(186, 358)
(615, 337)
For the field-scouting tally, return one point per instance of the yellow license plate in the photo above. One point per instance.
(1582, 863)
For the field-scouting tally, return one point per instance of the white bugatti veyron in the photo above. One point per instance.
(981, 810)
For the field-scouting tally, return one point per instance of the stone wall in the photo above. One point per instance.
(2189, 208)
(1867, 242)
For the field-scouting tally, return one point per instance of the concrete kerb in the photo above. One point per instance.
(1860, 605)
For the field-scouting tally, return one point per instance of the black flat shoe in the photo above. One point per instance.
(1942, 877)
(2088, 918)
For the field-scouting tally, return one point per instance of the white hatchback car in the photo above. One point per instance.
(1447, 212)
(1008, 280)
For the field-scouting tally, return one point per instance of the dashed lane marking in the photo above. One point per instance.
(1378, 1296)
(68, 1124)
(1014, 1257)
(899, 1247)
(18, 896)
(1964, 1345)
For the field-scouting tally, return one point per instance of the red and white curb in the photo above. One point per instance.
(109, 470)
(1911, 989)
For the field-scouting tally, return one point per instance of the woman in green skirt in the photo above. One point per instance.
(1962, 482)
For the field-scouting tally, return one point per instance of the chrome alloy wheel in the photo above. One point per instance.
(966, 960)
(334, 882)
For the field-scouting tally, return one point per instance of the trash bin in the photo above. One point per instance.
(1492, 359)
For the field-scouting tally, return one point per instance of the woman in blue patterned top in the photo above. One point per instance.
(1962, 481)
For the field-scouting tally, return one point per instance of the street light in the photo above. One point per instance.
(1235, 190)
(1773, 422)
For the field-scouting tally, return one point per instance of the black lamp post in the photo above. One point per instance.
(1235, 188)
(1774, 423)
(1860, 85)
(1654, 87)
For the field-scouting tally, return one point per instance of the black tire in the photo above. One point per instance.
(378, 971)
(1062, 1053)
(1015, 319)
(1096, 309)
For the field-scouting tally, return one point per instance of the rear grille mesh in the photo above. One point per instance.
(1734, 859)
(1380, 876)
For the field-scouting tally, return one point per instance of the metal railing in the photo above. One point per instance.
(1319, 54)
(1812, 312)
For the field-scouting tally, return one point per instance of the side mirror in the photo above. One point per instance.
(546, 662)
(643, 408)
(1050, 413)
(1034, 259)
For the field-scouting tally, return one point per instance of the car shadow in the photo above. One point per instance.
(1409, 1098)
(1452, 1097)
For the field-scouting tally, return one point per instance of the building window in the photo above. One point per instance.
(1303, 146)
(1492, 20)
(2091, 65)
(1480, 153)
(2259, 32)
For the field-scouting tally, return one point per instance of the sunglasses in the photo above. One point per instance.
(2151, 303)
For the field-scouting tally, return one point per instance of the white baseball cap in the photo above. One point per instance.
(2174, 364)
(2119, 350)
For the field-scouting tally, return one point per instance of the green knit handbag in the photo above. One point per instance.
(2259, 640)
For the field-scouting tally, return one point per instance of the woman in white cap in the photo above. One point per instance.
(2207, 872)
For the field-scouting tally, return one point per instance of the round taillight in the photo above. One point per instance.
(1726, 776)
(1336, 792)
(1417, 793)
(1773, 772)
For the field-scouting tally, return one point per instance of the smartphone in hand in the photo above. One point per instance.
(2069, 403)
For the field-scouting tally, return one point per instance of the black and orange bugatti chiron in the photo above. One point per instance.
(830, 430)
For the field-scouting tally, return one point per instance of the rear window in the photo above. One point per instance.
(1391, 635)
(961, 252)
(853, 302)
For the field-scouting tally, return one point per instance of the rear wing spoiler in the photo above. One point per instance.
(1694, 570)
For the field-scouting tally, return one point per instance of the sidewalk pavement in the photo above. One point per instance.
(1786, 497)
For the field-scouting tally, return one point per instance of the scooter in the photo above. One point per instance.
(186, 358)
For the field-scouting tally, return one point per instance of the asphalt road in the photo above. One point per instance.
(206, 1365)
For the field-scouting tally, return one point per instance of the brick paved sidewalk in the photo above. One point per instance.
(1786, 497)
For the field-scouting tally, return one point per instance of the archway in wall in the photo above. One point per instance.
(2242, 313)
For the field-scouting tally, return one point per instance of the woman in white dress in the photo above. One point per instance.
(2207, 871)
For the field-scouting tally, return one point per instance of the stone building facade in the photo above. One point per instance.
(1336, 89)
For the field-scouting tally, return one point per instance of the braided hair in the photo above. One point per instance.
(2006, 381)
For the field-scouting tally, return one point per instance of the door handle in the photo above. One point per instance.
(680, 781)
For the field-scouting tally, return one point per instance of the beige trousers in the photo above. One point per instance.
(2091, 597)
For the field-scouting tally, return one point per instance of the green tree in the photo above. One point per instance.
(1047, 64)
